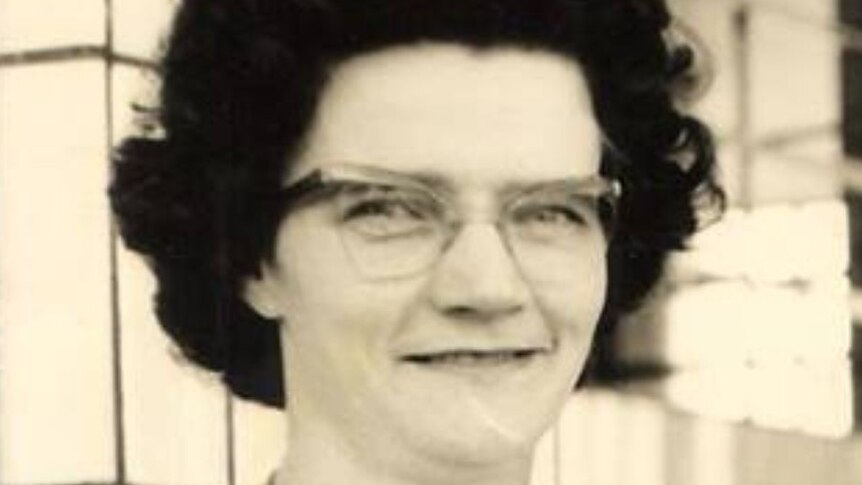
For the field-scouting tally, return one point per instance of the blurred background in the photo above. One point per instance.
(739, 371)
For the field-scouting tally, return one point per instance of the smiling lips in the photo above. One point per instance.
(474, 358)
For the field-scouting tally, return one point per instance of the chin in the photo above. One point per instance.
(480, 448)
(465, 416)
(483, 434)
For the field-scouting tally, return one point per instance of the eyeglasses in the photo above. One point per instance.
(395, 225)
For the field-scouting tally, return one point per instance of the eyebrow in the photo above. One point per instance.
(431, 180)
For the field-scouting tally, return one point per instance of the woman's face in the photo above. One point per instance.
(470, 359)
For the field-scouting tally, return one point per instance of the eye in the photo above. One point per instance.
(554, 219)
(553, 215)
(388, 212)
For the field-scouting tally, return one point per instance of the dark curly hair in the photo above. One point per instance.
(240, 83)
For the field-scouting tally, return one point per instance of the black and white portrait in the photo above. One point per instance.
(423, 242)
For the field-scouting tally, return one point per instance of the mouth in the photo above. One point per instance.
(474, 358)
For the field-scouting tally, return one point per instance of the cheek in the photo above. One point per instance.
(335, 317)
(338, 355)
(575, 309)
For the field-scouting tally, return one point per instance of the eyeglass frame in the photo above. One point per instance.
(328, 179)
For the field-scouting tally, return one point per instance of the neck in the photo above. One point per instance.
(319, 455)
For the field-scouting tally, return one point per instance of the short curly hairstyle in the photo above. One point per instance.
(241, 80)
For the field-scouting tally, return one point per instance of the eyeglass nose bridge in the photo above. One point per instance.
(455, 228)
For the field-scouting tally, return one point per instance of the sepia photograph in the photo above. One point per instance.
(431, 242)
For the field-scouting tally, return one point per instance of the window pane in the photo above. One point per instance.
(55, 347)
(712, 23)
(140, 25)
(37, 24)
(259, 442)
(174, 414)
(610, 438)
(795, 76)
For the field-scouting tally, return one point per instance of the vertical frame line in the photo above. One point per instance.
(742, 47)
(230, 438)
(116, 329)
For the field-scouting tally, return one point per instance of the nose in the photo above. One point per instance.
(476, 278)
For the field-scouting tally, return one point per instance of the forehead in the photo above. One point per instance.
(471, 116)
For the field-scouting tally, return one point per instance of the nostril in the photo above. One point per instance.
(461, 311)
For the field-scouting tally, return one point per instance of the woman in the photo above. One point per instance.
(404, 220)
